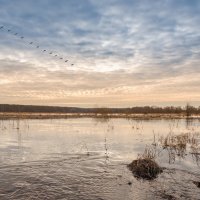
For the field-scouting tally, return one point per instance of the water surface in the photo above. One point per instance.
(87, 159)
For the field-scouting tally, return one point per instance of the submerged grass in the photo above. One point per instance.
(179, 145)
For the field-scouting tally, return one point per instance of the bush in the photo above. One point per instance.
(145, 168)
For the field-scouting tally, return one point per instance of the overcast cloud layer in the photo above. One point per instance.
(125, 52)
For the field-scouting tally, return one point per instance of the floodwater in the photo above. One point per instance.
(87, 159)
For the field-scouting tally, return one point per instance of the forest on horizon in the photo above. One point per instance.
(188, 109)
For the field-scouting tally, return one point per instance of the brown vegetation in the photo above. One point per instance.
(100, 117)
(177, 145)
(145, 166)
(197, 183)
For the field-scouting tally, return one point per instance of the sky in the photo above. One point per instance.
(125, 52)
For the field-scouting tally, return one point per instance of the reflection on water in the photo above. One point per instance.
(87, 159)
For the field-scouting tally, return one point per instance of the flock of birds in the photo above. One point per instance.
(33, 44)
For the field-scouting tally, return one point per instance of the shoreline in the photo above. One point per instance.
(149, 116)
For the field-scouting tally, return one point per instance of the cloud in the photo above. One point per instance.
(130, 50)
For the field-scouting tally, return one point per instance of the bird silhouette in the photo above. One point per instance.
(30, 43)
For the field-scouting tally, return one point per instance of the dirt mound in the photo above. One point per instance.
(145, 168)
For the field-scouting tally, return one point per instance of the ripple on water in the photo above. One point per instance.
(65, 159)
(90, 177)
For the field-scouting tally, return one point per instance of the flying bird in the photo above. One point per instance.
(37, 46)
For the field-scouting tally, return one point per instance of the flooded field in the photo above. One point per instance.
(87, 158)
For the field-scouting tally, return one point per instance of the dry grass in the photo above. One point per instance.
(150, 152)
(21, 115)
(177, 145)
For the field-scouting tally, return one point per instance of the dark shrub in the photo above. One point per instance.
(145, 168)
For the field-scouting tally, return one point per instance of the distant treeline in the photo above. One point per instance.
(188, 109)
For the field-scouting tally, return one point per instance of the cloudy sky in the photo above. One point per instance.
(125, 52)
